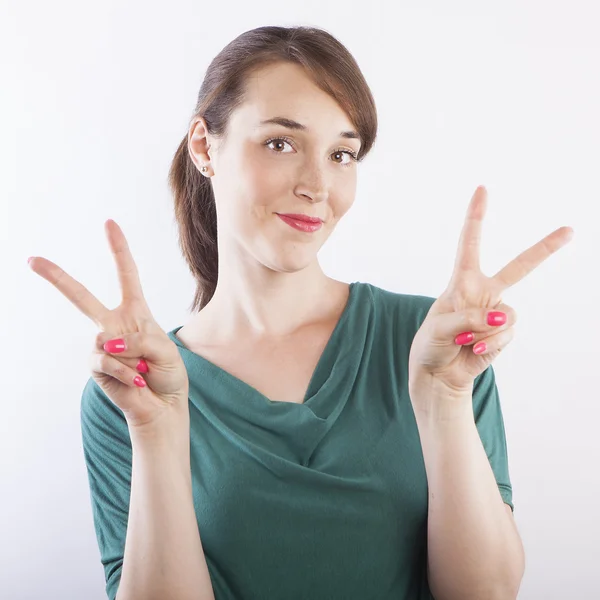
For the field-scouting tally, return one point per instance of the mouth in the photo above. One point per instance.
(301, 222)
(301, 217)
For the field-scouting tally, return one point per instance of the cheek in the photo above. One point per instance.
(260, 183)
(344, 197)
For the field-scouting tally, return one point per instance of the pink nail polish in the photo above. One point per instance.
(496, 318)
(139, 381)
(115, 346)
(142, 366)
(463, 338)
(479, 348)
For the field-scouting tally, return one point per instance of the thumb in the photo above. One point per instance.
(481, 322)
(155, 348)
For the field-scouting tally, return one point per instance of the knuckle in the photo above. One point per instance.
(119, 369)
(471, 320)
(104, 362)
(136, 342)
(511, 313)
(99, 341)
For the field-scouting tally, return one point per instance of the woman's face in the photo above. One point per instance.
(256, 175)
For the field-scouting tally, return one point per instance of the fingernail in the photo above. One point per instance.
(496, 318)
(463, 338)
(142, 366)
(115, 346)
(139, 381)
(479, 348)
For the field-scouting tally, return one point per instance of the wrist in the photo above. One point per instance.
(170, 431)
(435, 408)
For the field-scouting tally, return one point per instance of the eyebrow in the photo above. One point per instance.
(290, 124)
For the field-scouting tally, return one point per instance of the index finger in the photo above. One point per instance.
(531, 258)
(74, 291)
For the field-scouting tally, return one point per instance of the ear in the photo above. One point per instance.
(198, 143)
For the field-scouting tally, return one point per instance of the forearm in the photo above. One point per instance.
(163, 552)
(474, 548)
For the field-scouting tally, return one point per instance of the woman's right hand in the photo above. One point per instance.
(166, 392)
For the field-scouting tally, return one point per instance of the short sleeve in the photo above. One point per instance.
(107, 453)
(490, 424)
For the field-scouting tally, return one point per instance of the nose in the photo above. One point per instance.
(313, 183)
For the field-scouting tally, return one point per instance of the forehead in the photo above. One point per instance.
(284, 89)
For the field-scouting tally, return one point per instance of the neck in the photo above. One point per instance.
(266, 304)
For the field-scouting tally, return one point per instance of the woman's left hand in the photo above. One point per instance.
(443, 368)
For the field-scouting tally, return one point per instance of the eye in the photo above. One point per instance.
(353, 156)
(280, 141)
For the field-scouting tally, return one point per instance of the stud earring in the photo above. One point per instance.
(204, 169)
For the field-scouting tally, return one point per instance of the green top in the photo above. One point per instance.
(321, 500)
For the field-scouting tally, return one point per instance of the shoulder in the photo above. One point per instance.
(392, 318)
(410, 308)
(99, 415)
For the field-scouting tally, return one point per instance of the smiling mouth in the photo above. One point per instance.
(301, 217)
(302, 224)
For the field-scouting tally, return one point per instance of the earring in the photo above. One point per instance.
(204, 169)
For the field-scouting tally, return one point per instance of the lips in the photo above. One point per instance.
(301, 217)
(302, 222)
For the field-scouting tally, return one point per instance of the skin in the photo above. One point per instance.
(271, 293)
(440, 371)
(270, 283)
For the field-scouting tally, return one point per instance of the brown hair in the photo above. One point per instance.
(326, 61)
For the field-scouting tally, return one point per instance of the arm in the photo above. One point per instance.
(163, 553)
(474, 548)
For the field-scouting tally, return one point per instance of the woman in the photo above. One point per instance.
(298, 437)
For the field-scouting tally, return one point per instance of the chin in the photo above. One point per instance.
(289, 254)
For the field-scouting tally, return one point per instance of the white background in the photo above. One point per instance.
(96, 96)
